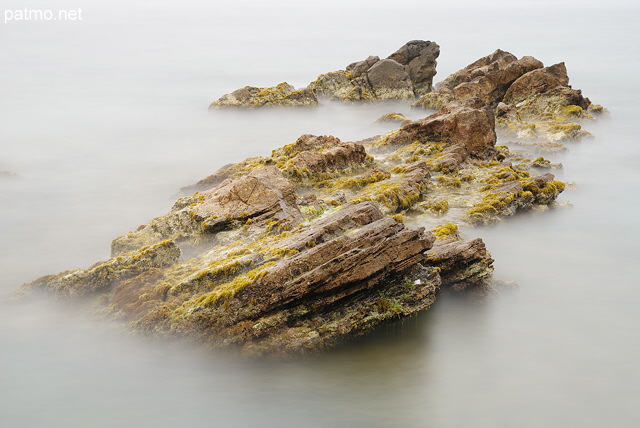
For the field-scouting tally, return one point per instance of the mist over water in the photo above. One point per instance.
(104, 120)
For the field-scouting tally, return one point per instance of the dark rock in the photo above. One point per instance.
(405, 74)
(389, 80)
(359, 68)
(419, 59)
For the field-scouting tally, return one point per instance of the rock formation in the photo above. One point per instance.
(282, 94)
(405, 74)
(300, 250)
(531, 101)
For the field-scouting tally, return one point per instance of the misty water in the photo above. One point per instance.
(104, 120)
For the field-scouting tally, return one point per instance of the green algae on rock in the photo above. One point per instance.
(404, 75)
(531, 102)
(280, 95)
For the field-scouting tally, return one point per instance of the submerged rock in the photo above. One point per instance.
(280, 95)
(393, 118)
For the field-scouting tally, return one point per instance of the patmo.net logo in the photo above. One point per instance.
(25, 15)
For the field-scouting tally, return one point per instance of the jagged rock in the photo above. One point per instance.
(300, 250)
(282, 94)
(356, 69)
(347, 281)
(463, 263)
(543, 90)
(405, 74)
(466, 125)
(487, 79)
(419, 59)
(532, 101)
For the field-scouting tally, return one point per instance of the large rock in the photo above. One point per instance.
(531, 101)
(545, 88)
(389, 80)
(463, 263)
(419, 59)
(405, 74)
(468, 125)
(263, 193)
(488, 79)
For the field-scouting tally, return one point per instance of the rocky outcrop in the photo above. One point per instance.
(405, 74)
(280, 95)
(531, 101)
(317, 243)
(468, 127)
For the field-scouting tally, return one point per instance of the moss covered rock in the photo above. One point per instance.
(281, 95)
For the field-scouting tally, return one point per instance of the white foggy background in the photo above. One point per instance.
(103, 120)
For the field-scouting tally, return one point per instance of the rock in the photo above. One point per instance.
(405, 74)
(341, 286)
(463, 263)
(263, 194)
(466, 125)
(357, 69)
(104, 275)
(303, 249)
(545, 89)
(389, 80)
(393, 118)
(419, 59)
(280, 95)
(487, 79)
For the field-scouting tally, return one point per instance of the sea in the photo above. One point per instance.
(104, 118)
